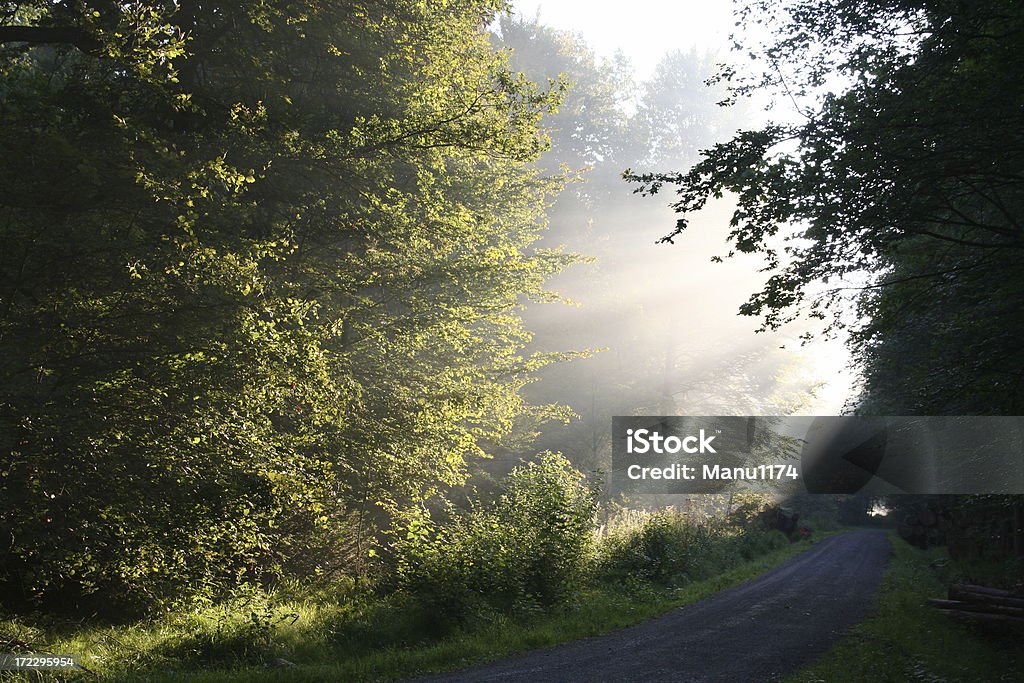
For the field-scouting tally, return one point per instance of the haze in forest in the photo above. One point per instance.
(664, 316)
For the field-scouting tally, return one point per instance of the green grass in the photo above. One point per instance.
(907, 640)
(357, 639)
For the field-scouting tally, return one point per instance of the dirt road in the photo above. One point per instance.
(757, 631)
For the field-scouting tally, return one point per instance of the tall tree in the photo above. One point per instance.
(898, 181)
(261, 270)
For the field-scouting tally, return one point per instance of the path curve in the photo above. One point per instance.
(759, 630)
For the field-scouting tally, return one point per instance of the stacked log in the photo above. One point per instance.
(983, 604)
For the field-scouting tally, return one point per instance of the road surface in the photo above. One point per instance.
(759, 630)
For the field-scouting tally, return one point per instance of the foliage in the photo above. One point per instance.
(896, 181)
(822, 512)
(746, 505)
(341, 634)
(673, 549)
(907, 639)
(261, 270)
(590, 131)
(531, 547)
(634, 303)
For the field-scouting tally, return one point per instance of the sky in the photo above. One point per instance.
(644, 32)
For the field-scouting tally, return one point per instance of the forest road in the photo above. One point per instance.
(759, 630)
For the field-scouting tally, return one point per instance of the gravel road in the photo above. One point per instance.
(759, 630)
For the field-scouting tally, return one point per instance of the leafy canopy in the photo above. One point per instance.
(261, 271)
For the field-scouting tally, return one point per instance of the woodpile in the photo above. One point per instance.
(983, 604)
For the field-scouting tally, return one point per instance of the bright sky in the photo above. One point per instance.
(644, 31)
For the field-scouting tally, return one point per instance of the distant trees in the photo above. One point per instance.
(678, 114)
(259, 280)
(633, 304)
(590, 129)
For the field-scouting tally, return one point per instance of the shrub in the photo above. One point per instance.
(754, 542)
(657, 551)
(531, 547)
(670, 548)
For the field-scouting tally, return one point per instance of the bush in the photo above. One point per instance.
(672, 549)
(532, 547)
(658, 551)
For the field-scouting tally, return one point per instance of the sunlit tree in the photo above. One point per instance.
(260, 274)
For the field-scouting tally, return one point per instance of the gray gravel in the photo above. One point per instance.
(759, 630)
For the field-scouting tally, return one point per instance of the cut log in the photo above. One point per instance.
(957, 592)
(974, 588)
(988, 608)
(987, 618)
(950, 604)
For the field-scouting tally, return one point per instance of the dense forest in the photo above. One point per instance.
(338, 298)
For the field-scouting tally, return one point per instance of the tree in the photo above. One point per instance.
(260, 278)
(902, 190)
(590, 132)
(678, 114)
(896, 185)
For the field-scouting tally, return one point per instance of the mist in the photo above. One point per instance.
(658, 323)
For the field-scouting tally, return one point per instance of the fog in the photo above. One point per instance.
(661, 320)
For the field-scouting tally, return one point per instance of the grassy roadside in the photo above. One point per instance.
(309, 634)
(906, 640)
